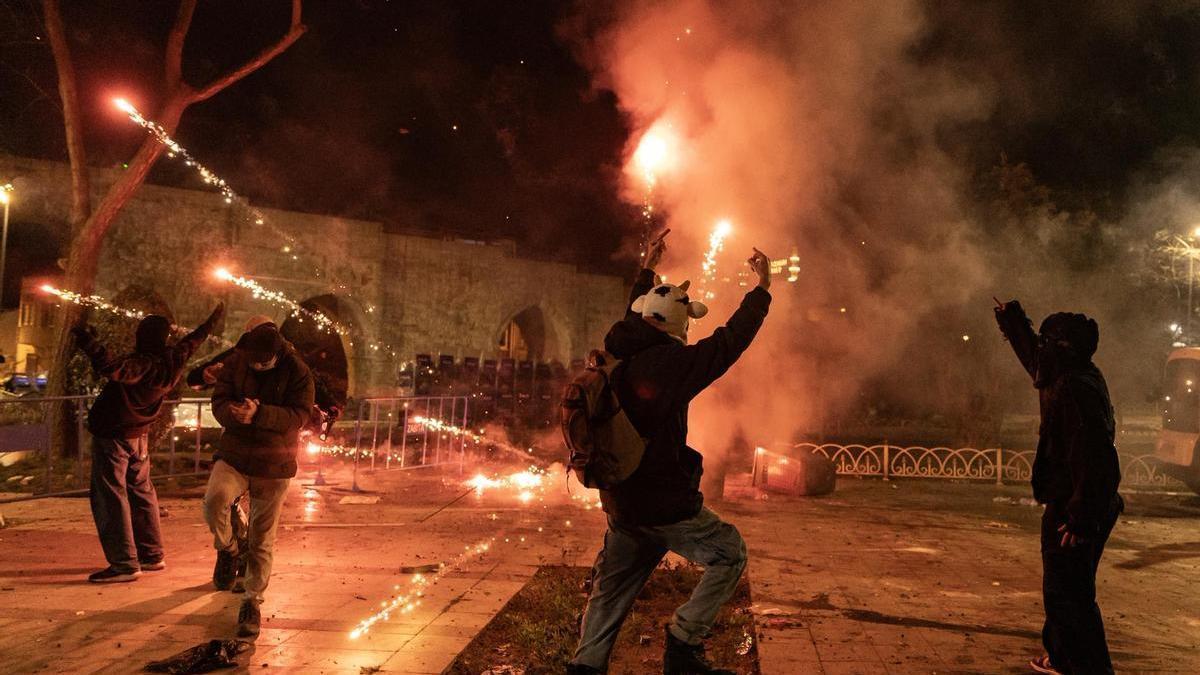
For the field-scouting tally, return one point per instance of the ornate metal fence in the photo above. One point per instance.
(997, 465)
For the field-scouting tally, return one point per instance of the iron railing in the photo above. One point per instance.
(997, 465)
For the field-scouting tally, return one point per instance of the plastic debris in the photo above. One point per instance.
(203, 658)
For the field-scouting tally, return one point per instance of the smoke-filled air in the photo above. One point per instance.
(835, 137)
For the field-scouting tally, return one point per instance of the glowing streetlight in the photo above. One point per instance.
(5, 198)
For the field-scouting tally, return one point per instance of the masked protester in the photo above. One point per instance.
(659, 508)
(204, 375)
(263, 397)
(124, 503)
(1075, 474)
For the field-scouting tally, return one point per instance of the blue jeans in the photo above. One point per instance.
(630, 555)
(124, 503)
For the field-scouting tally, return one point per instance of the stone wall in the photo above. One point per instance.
(403, 293)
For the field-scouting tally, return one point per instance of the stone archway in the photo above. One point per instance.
(328, 353)
(530, 335)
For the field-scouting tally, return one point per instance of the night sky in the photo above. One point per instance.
(478, 118)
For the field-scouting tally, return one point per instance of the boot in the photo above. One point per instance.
(249, 618)
(225, 570)
(580, 669)
(680, 658)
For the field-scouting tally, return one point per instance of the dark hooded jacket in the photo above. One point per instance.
(657, 378)
(1076, 468)
(132, 398)
(266, 447)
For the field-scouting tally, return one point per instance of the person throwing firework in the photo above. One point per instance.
(263, 397)
(124, 502)
(659, 507)
(1076, 473)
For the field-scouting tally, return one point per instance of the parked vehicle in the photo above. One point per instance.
(1176, 449)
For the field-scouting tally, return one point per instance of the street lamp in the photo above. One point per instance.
(5, 198)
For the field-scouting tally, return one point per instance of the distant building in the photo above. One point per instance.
(397, 291)
(36, 319)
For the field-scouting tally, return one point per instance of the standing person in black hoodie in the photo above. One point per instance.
(124, 503)
(659, 508)
(1076, 473)
(263, 397)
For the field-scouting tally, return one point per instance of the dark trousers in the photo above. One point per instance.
(124, 503)
(1074, 630)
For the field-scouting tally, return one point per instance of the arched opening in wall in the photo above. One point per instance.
(527, 336)
(325, 351)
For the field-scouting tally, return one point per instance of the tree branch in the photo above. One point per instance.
(175, 40)
(295, 30)
(72, 122)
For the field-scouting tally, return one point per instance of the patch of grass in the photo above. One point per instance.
(536, 632)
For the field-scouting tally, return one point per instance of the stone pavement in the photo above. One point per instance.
(879, 578)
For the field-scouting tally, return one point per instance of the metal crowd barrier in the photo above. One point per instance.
(33, 470)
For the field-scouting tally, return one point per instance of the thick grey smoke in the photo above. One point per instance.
(870, 138)
(808, 126)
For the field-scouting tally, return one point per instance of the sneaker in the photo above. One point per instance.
(109, 575)
(1042, 665)
(249, 618)
(225, 570)
(155, 566)
(680, 658)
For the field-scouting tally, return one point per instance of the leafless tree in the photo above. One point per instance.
(90, 224)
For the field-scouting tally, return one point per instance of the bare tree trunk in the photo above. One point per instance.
(90, 227)
(64, 432)
(72, 123)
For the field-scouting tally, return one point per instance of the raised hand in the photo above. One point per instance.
(655, 250)
(761, 264)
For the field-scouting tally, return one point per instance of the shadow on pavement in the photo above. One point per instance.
(1161, 554)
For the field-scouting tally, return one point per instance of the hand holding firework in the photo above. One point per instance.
(761, 264)
(655, 250)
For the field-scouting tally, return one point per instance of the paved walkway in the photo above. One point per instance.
(880, 578)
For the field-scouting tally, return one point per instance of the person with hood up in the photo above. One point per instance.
(659, 508)
(124, 502)
(1076, 473)
(263, 397)
(204, 375)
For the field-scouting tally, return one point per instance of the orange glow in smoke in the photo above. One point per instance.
(656, 152)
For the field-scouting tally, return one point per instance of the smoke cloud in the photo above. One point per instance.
(810, 127)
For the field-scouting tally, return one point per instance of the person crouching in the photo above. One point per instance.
(262, 398)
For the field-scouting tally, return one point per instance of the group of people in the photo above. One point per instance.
(660, 508)
(263, 395)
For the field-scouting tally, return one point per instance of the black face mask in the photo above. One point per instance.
(1055, 356)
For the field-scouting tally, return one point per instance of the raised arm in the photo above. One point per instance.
(1018, 330)
(187, 345)
(126, 369)
(702, 363)
(646, 277)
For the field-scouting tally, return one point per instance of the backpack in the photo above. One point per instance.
(604, 447)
